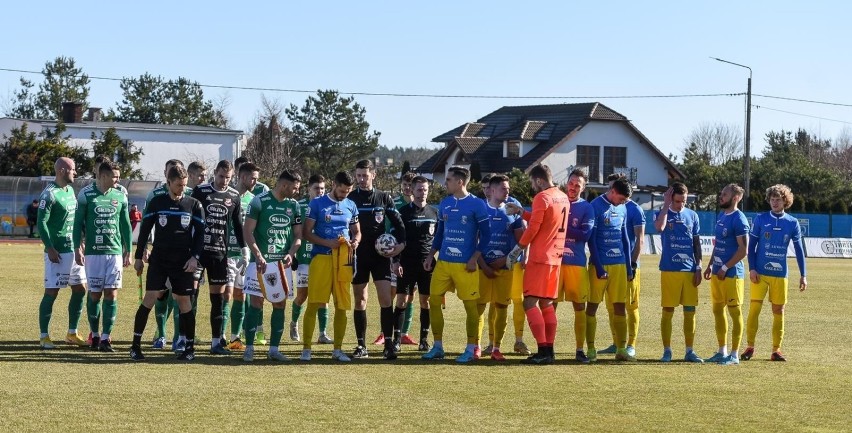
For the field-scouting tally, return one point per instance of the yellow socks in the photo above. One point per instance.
(753, 322)
(736, 327)
(666, 328)
(309, 324)
(689, 328)
(480, 320)
(436, 317)
(580, 328)
(591, 329)
(471, 309)
(721, 323)
(339, 327)
(519, 318)
(777, 331)
(620, 324)
(632, 325)
(501, 321)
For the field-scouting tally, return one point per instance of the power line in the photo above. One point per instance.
(837, 104)
(800, 114)
(423, 95)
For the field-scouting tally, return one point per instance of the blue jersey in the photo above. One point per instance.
(728, 228)
(332, 219)
(610, 227)
(769, 238)
(677, 237)
(460, 222)
(581, 221)
(635, 218)
(503, 228)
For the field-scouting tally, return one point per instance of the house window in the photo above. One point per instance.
(513, 149)
(590, 156)
(614, 157)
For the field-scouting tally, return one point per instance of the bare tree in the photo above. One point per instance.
(841, 154)
(270, 144)
(221, 103)
(723, 142)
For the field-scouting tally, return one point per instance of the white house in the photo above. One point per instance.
(159, 143)
(563, 136)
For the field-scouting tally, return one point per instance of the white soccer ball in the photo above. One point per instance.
(385, 244)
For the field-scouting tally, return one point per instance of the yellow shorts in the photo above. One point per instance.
(320, 284)
(633, 289)
(573, 284)
(517, 283)
(615, 286)
(728, 291)
(677, 289)
(776, 286)
(454, 277)
(497, 289)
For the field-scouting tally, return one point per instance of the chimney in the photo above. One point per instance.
(72, 112)
(94, 114)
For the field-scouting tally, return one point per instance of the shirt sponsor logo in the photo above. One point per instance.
(216, 210)
(104, 211)
(613, 252)
(454, 252)
(773, 266)
(279, 220)
(681, 258)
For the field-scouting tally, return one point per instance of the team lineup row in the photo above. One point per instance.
(249, 239)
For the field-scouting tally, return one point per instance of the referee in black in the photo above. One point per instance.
(177, 221)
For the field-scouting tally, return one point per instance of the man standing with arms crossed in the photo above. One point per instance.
(574, 275)
(544, 242)
(273, 220)
(610, 270)
(56, 207)
(103, 217)
(726, 273)
(680, 268)
(771, 234)
(373, 207)
(461, 237)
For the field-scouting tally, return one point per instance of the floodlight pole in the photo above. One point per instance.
(747, 162)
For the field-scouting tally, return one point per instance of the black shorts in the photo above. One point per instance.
(164, 267)
(413, 274)
(369, 262)
(217, 269)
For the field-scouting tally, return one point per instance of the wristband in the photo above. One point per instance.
(724, 268)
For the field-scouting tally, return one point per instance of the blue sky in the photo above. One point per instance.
(596, 49)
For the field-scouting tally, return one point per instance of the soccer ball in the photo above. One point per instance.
(385, 243)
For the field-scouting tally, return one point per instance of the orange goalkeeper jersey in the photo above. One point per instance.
(547, 224)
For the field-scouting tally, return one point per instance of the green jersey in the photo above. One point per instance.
(259, 188)
(304, 254)
(104, 217)
(275, 221)
(400, 201)
(234, 249)
(56, 209)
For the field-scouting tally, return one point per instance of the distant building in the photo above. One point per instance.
(159, 143)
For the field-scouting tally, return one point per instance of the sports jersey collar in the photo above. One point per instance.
(332, 198)
(777, 217)
(606, 200)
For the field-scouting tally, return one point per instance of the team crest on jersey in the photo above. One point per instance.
(163, 220)
(328, 217)
(464, 219)
(379, 215)
(767, 235)
(671, 226)
(227, 202)
(289, 212)
(114, 202)
(184, 221)
(724, 232)
(575, 222)
(786, 238)
(606, 221)
(431, 229)
(444, 217)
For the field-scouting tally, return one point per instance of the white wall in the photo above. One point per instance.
(652, 169)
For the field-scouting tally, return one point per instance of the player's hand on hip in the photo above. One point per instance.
(139, 265)
(803, 284)
(752, 275)
(53, 255)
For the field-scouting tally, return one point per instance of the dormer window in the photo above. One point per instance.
(513, 149)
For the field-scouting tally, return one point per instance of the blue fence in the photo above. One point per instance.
(813, 225)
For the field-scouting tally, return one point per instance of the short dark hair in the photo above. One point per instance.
(622, 186)
(316, 178)
(172, 162)
(486, 180)
(419, 179)
(100, 159)
(541, 171)
(365, 163)
(224, 165)
(497, 179)
(107, 167)
(177, 172)
(615, 176)
(240, 161)
(249, 167)
(344, 178)
(407, 177)
(290, 176)
(196, 166)
(459, 173)
(679, 188)
(579, 173)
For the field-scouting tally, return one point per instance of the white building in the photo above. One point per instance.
(159, 143)
(564, 137)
